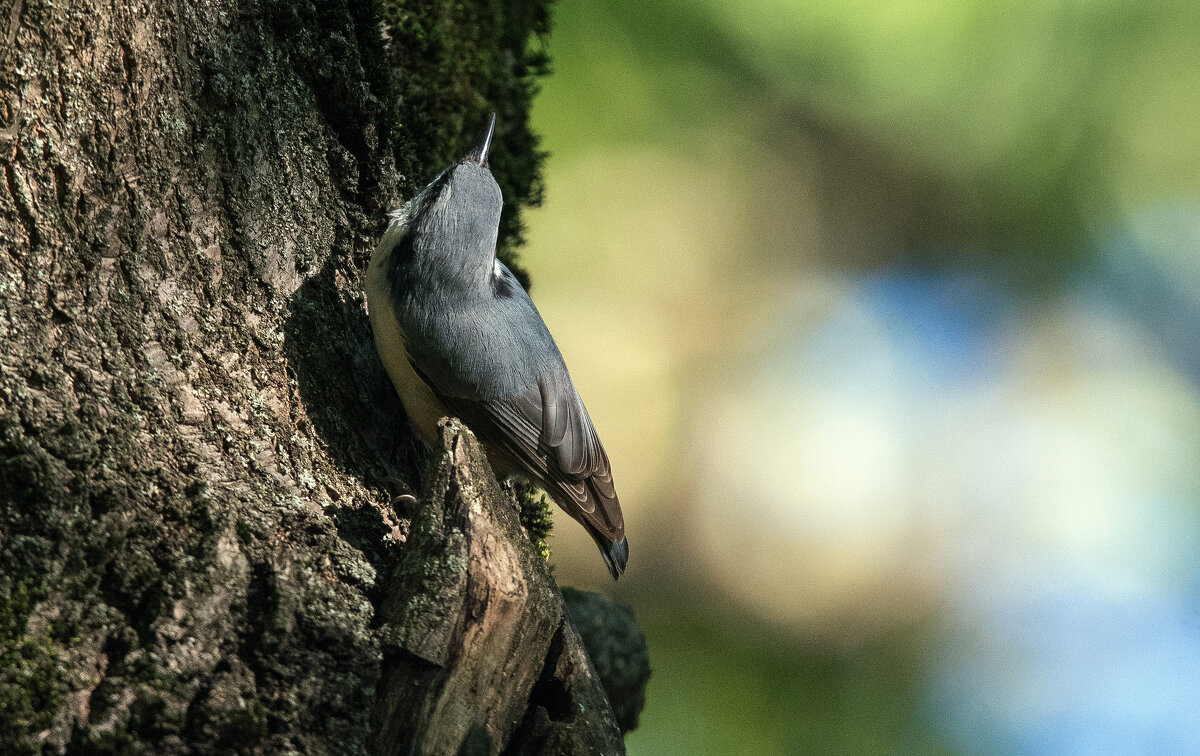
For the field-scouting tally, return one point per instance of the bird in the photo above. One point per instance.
(460, 337)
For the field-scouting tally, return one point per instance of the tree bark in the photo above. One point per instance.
(198, 445)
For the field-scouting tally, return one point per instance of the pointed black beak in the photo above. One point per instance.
(480, 153)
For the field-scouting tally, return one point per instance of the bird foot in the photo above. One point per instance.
(405, 501)
(401, 498)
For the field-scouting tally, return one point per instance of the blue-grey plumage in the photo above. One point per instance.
(460, 336)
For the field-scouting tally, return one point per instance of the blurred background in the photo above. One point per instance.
(888, 314)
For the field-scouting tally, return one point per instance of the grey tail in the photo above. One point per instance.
(615, 553)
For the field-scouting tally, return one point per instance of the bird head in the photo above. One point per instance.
(462, 206)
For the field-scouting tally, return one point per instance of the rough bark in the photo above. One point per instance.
(198, 445)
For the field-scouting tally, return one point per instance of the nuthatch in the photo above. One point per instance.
(459, 336)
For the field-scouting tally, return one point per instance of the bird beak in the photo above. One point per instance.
(480, 153)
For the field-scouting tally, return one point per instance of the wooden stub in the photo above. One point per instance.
(475, 634)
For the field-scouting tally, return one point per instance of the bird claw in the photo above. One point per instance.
(403, 500)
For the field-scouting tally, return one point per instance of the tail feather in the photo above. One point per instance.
(615, 553)
(593, 502)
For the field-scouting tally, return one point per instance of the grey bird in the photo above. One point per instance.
(460, 337)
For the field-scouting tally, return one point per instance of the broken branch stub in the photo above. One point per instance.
(475, 635)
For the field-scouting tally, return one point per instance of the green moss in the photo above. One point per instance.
(244, 727)
(32, 687)
(245, 533)
(102, 742)
(536, 516)
(460, 60)
(32, 682)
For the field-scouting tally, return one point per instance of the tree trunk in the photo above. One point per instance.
(198, 445)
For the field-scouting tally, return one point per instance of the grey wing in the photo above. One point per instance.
(546, 430)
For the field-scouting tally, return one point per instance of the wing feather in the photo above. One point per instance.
(547, 430)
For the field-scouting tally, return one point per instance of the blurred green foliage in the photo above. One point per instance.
(1012, 127)
(999, 135)
(726, 684)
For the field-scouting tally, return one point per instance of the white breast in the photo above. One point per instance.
(423, 408)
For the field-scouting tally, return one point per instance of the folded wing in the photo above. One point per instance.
(547, 430)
